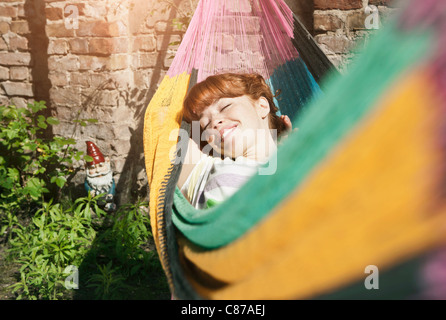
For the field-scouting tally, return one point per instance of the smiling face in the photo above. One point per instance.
(236, 126)
(237, 111)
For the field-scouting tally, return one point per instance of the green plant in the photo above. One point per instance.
(131, 231)
(47, 231)
(33, 166)
(106, 283)
(56, 238)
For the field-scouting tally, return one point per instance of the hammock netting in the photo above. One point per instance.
(359, 184)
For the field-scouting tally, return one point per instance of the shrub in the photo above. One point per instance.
(32, 167)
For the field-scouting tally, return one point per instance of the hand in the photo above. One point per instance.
(289, 128)
(286, 120)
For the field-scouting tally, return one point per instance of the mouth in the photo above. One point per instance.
(227, 132)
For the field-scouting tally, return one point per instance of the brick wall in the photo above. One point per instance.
(340, 26)
(15, 57)
(104, 59)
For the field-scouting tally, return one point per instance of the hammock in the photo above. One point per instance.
(359, 185)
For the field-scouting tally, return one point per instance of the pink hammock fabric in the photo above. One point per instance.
(229, 36)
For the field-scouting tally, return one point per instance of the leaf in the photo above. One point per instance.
(37, 106)
(60, 181)
(52, 121)
(34, 187)
(42, 125)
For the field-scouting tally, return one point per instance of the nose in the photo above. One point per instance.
(216, 121)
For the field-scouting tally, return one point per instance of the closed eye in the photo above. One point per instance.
(228, 105)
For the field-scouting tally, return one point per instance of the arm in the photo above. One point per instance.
(193, 155)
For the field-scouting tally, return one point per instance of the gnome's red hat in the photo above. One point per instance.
(94, 152)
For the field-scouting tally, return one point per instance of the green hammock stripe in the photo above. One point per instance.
(322, 126)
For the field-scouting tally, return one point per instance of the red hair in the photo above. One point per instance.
(230, 85)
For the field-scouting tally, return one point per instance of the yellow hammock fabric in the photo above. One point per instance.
(360, 184)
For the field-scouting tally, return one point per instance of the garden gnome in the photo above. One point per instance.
(100, 177)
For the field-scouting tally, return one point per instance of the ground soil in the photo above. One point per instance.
(8, 273)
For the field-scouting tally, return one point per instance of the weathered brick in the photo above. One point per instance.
(8, 11)
(4, 73)
(21, 10)
(144, 43)
(145, 60)
(18, 73)
(381, 2)
(63, 63)
(53, 13)
(18, 43)
(93, 9)
(58, 30)
(78, 45)
(110, 63)
(123, 131)
(327, 22)
(102, 80)
(19, 102)
(65, 96)
(20, 27)
(3, 45)
(15, 58)
(337, 4)
(164, 42)
(92, 63)
(4, 27)
(108, 98)
(121, 146)
(107, 46)
(336, 43)
(118, 62)
(112, 80)
(18, 89)
(58, 78)
(102, 132)
(356, 20)
(80, 79)
(101, 29)
(57, 46)
(13, 0)
(167, 27)
(66, 113)
(4, 100)
(141, 78)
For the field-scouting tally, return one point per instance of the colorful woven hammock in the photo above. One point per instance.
(360, 184)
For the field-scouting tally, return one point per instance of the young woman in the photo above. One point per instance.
(237, 119)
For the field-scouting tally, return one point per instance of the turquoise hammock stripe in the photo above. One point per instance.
(296, 87)
(322, 126)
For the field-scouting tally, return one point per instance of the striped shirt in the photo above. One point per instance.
(214, 180)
